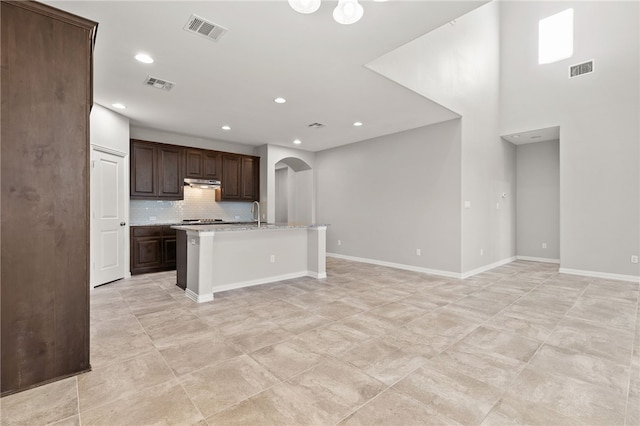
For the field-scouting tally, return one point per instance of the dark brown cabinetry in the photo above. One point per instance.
(153, 249)
(202, 164)
(46, 99)
(240, 177)
(156, 171)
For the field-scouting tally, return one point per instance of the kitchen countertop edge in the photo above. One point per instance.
(227, 227)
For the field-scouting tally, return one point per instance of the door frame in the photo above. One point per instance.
(125, 195)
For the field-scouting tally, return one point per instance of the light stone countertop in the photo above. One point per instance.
(242, 227)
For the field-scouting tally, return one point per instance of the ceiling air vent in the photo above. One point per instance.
(204, 28)
(316, 125)
(159, 83)
(580, 69)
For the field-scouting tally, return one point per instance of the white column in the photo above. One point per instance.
(199, 266)
(317, 251)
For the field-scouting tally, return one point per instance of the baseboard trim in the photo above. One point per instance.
(604, 275)
(198, 298)
(317, 275)
(412, 268)
(538, 259)
(487, 267)
(261, 281)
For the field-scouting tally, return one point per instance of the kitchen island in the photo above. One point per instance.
(226, 257)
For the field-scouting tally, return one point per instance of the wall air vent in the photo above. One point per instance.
(580, 69)
(316, 125)
(204, 28)
(159, 83)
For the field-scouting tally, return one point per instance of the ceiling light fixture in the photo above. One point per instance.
(225, 127)
(279, 100)
(118, 105)
(144, 58)
(305, 6)
(357, 123)
(346, 12)
(297, 141)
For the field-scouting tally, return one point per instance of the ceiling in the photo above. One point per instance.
(532, 136)
(269, 51)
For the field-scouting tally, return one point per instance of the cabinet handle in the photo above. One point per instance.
(123, 223)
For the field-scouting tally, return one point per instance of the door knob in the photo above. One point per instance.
(123, 223)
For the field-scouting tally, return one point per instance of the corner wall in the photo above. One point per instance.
(386, 197)
(599, 119)
(458, 66)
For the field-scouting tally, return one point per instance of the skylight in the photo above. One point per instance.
(555, 37)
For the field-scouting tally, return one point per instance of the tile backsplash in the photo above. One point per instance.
(197, 204)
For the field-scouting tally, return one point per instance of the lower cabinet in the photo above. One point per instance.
(153, 249)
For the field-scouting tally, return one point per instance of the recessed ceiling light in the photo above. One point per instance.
(225, 127)
(144, 58)
(358, 123)
(279, 100)
(118, 106)
(297, 141)
(516, 136)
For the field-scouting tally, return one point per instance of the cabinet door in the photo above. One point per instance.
(147, 254)
(143, 170)
(193, 160)
(211, 165)
(231, 176)
(170, 177)
(250, 186)
(169, 252)
(169, 247)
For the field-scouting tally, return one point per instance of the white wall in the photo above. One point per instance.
(538, 200)
(282, 195)
(110, 131)
(388, 196)
(458, 66)
(599, 119)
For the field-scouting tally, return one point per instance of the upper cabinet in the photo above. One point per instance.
(240, 178)
(202, 164)
(156, 171)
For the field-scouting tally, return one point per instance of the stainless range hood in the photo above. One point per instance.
(202, 183)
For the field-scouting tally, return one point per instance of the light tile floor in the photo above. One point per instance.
(521, 344)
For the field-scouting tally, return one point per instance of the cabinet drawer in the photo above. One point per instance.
(147, 231)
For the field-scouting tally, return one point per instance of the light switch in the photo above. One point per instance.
(467, 204)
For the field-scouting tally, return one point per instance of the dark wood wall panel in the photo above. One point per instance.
(46, 95)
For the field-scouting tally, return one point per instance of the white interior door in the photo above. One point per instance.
(107, 218)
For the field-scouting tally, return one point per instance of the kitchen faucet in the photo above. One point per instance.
(253, 210)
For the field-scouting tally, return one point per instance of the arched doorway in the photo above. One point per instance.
(293, 191)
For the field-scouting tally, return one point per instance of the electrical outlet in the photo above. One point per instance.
(339, 242)
(544, 245)
(498, 206)
(237, 217)
(418, 252)
(481, 252)
(273, 258)
(467, 204)
(152, 218)
(634, 259)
